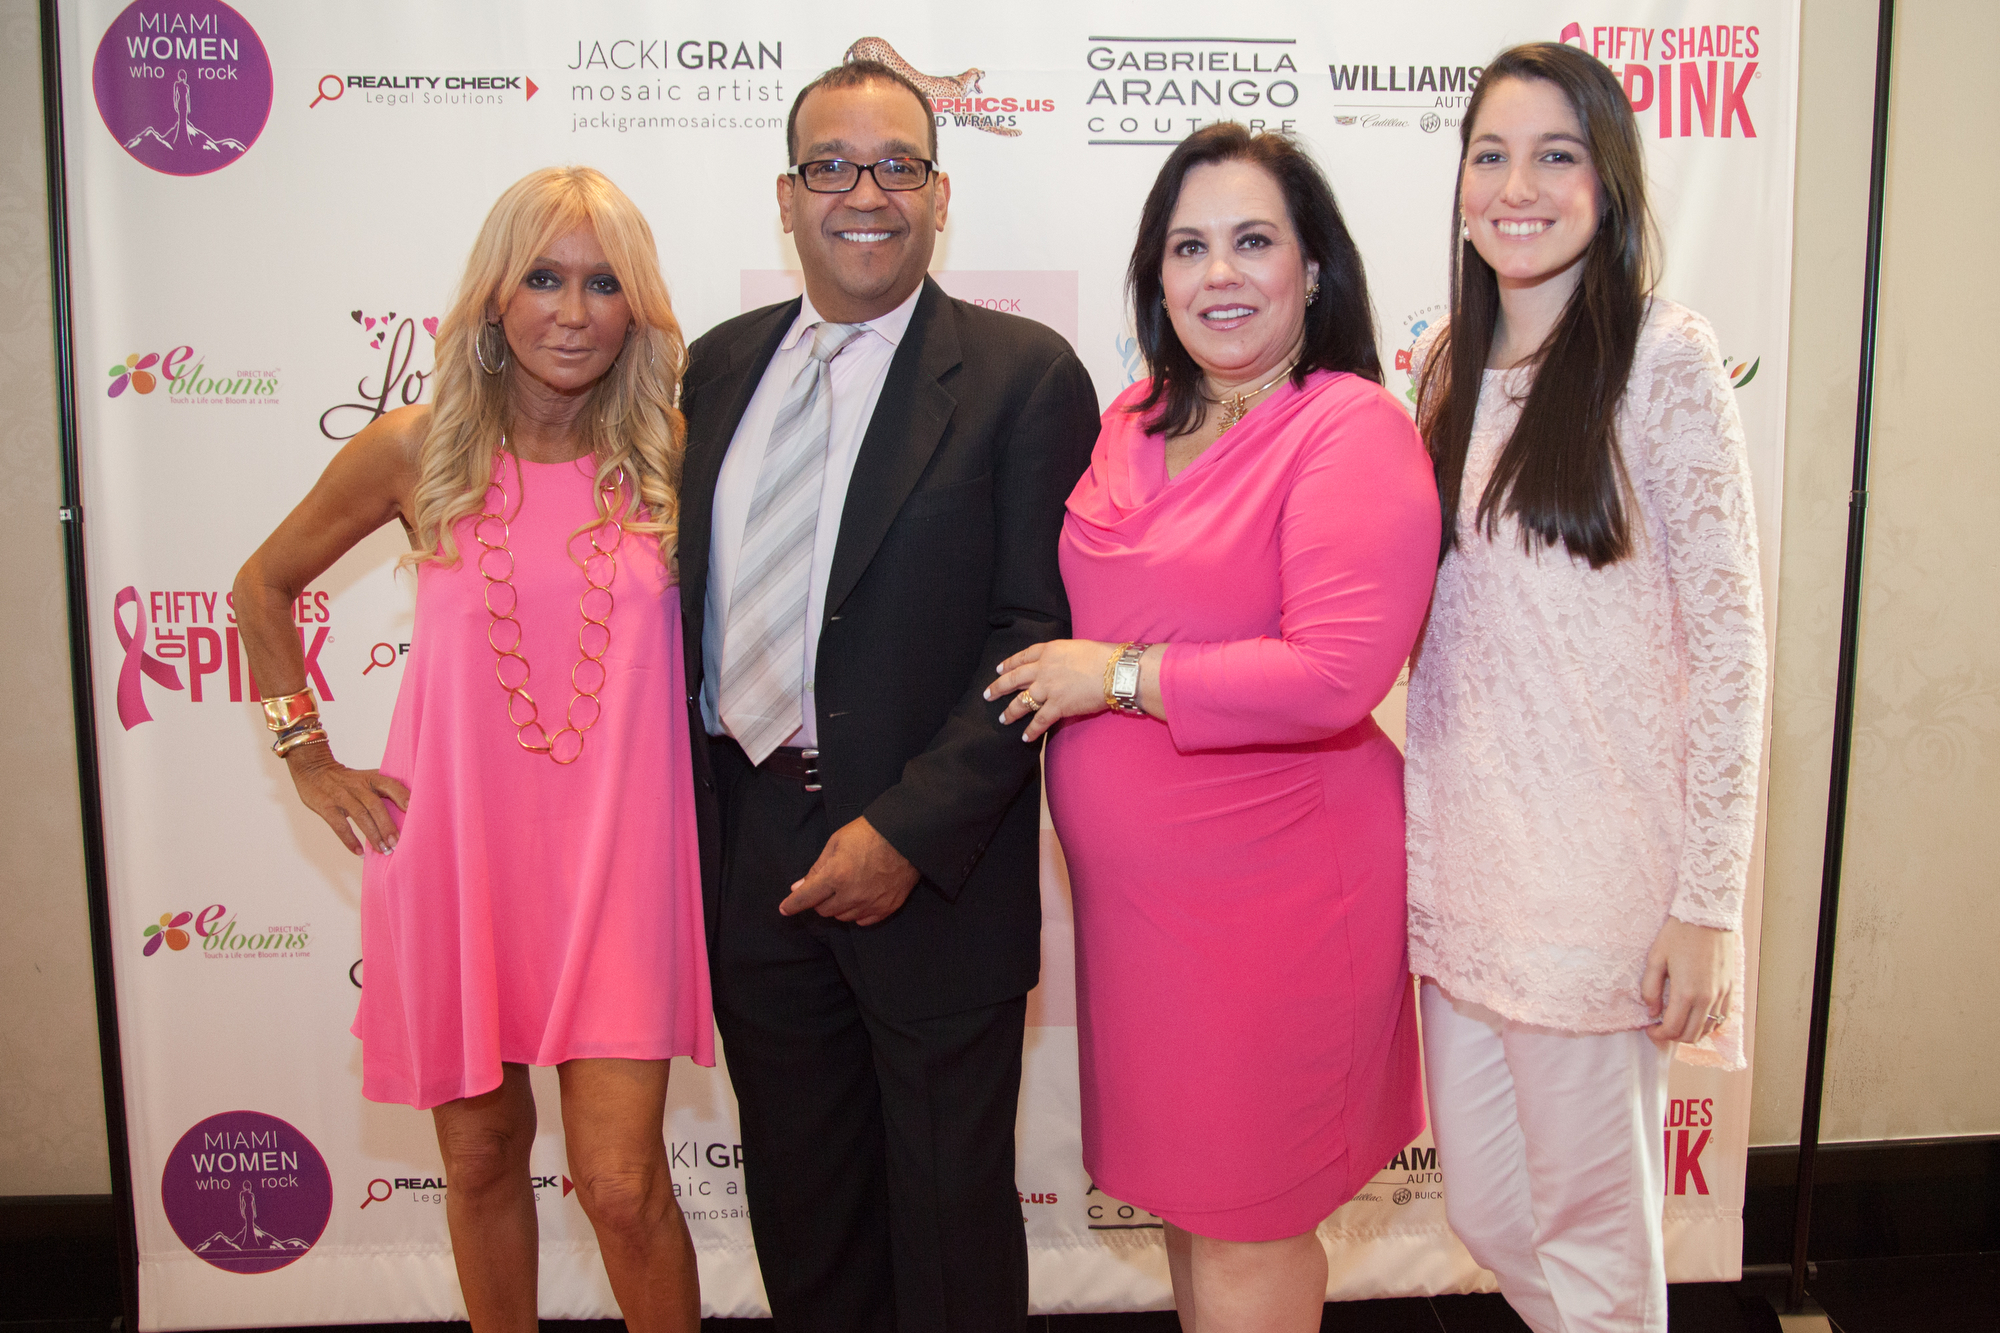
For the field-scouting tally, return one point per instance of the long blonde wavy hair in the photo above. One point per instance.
(630, 418)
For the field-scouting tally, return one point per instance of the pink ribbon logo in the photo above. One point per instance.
(131, 698)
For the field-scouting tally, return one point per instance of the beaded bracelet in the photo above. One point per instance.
(306, 733)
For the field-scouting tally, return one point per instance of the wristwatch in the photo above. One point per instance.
(1123, 691)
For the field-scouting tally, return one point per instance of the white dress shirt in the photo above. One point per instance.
(858, 373)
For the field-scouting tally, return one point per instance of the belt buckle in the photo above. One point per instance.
(811, 758)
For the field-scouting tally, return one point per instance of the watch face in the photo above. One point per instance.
(1125, 679)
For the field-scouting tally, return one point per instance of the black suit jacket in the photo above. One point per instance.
(945, 565)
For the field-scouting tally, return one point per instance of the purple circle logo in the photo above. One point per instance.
(246, 1191)
(185, 89)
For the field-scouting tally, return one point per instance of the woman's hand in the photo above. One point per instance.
(1062, 678)
(337, 794)
(1690, 984)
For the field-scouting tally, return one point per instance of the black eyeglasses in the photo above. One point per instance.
(833, 175)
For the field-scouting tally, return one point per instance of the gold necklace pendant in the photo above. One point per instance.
(1236, 406)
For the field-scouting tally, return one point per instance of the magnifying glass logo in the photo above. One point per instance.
(339, 87)
(375, 657)
(373, 1197)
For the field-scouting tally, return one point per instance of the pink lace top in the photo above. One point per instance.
(1583, 744)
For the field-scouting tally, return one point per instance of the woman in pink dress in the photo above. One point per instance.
(1586, 712)
(1248, 559)
(530, 883)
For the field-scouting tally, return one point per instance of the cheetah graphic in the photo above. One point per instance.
(931, 85)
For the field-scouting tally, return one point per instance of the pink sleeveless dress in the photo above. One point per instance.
(534, 912)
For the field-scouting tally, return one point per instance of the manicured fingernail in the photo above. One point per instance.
(987, 694)
(1000, 670)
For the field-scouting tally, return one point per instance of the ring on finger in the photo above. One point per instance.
(1028, 693)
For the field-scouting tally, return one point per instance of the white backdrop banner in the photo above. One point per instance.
(270, 205)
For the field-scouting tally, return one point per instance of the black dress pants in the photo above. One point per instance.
(878, 1152)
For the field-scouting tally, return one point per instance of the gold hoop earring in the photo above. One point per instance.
(479, 346)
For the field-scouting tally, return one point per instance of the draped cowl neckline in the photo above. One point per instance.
(1128, 481)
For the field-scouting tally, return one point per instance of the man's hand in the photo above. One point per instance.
(859, 877)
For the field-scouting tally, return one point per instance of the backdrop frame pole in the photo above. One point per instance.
(1845, 672)
(82, 693)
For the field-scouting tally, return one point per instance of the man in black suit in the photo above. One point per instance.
(873, 490)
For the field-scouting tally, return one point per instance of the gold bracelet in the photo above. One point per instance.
(291, 741)
(283, 710)
(1110, 663)
(306, 723)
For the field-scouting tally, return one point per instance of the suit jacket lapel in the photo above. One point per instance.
(910, 418)
(725, 396)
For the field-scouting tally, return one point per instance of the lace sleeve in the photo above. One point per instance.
(1696, 473)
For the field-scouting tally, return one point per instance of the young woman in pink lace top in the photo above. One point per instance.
(1585, 713)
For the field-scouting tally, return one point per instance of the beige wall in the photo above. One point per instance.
(1914, 1023)
(1914, 1017)
(1914, 1020)
(51, 1100)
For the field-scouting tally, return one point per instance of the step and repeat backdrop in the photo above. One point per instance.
(269, 206)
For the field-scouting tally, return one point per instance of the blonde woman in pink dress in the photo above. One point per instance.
(530, 884)
(1585, 713)
(1247, 560)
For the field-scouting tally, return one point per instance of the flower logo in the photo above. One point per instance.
(1740, 374)
(168, 931)
(136, 371)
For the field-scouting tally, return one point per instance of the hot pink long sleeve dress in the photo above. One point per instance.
(534, 912)
(1247, 1025)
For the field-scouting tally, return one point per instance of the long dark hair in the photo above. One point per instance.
(1559, 475)
(1340, 324)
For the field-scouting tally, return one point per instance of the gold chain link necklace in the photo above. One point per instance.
(599, 564)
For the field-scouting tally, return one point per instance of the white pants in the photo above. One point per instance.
(1552, 1157)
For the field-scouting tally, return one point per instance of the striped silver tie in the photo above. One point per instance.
(762, 686)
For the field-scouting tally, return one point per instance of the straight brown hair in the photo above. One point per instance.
(1559, 475)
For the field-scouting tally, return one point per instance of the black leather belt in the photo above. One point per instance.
(789, 761)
